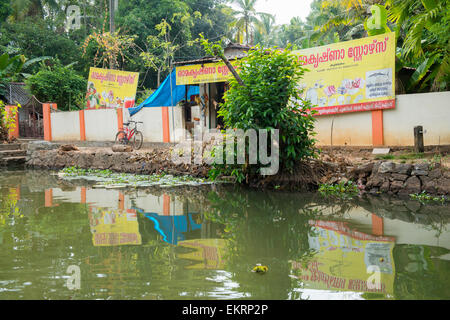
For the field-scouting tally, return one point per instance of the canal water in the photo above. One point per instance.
(70, 240)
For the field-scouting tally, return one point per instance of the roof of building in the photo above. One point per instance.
(209, 59)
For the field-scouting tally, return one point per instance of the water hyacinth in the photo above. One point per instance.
(110, 179)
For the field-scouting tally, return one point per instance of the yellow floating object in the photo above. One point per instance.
(260, 269)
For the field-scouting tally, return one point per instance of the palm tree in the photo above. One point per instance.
(423, 28)
(247, 20)
(264, 34)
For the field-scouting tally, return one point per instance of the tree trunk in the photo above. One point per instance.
(231, 68)
(159, 77)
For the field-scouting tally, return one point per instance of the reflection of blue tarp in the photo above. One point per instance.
(162, 98)
(172, 228)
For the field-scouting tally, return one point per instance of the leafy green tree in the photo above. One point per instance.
(33, 38)
(270, 100)
(161, 48)
(58, 84)
(265, 95)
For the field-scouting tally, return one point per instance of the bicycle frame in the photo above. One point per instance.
(129, 133)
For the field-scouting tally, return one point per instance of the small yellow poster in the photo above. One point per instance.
(111, 88)
(114, 227)
(205, 253)
(204, 73)
(349, 76)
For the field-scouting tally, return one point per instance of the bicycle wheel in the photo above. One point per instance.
(138, 139)
(121, 137)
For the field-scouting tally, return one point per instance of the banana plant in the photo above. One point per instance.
(11, 68)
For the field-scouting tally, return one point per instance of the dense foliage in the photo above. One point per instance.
(34, 29)
(269, 99)
(58, 84)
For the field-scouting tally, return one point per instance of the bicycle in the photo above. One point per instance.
(127, 135)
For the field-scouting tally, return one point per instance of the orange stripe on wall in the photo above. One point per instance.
(18, 192)
(377, 225)
(82, 126)
(165, 123)
(83, 194)
(377, 128)
(48, 201)
(119, 118)
(121, 201)
(166, 205)
(47, 122)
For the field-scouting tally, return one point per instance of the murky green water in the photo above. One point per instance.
(202, 243)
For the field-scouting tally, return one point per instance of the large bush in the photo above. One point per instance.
(58, 84)
(270, 99)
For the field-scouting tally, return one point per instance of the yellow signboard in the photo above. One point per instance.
(203, 73)
(114, 227)
(111, 88)
(206, 253)
(356, 75)
(348, 260)
(349, 76)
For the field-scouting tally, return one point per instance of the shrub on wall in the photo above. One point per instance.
(58, 84)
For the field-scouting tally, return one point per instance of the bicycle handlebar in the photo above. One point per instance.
(130, 121)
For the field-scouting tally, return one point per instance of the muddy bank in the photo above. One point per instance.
(372, 176)
(152, 161)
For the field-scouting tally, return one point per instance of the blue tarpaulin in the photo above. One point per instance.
(162, 97)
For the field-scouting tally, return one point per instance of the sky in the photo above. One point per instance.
(284, 10)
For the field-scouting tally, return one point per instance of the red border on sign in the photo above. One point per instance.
(355, 107)
(342, 228)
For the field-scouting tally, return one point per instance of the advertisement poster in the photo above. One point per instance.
(114, 227)
(111, 88)
(204, 253)
(346, 259)
(203, 73)
(350, 76)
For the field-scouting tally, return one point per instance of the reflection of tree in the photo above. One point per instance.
(420, 274)
(267, 228)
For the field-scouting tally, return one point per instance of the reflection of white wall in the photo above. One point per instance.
(155, 204)
(403, 232)
(67, 196)
(109, 198)
(103, 197)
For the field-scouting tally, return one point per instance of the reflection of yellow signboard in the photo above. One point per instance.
(114, 227)
(203, 73)
(347, 260)
(349, 76)
(111, 88)
(207, 252)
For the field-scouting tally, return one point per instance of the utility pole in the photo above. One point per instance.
(112, 9)
(112, 27)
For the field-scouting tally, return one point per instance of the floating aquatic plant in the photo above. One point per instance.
(110, 179)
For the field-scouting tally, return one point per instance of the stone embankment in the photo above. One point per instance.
(372, 176)
(394, 178)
